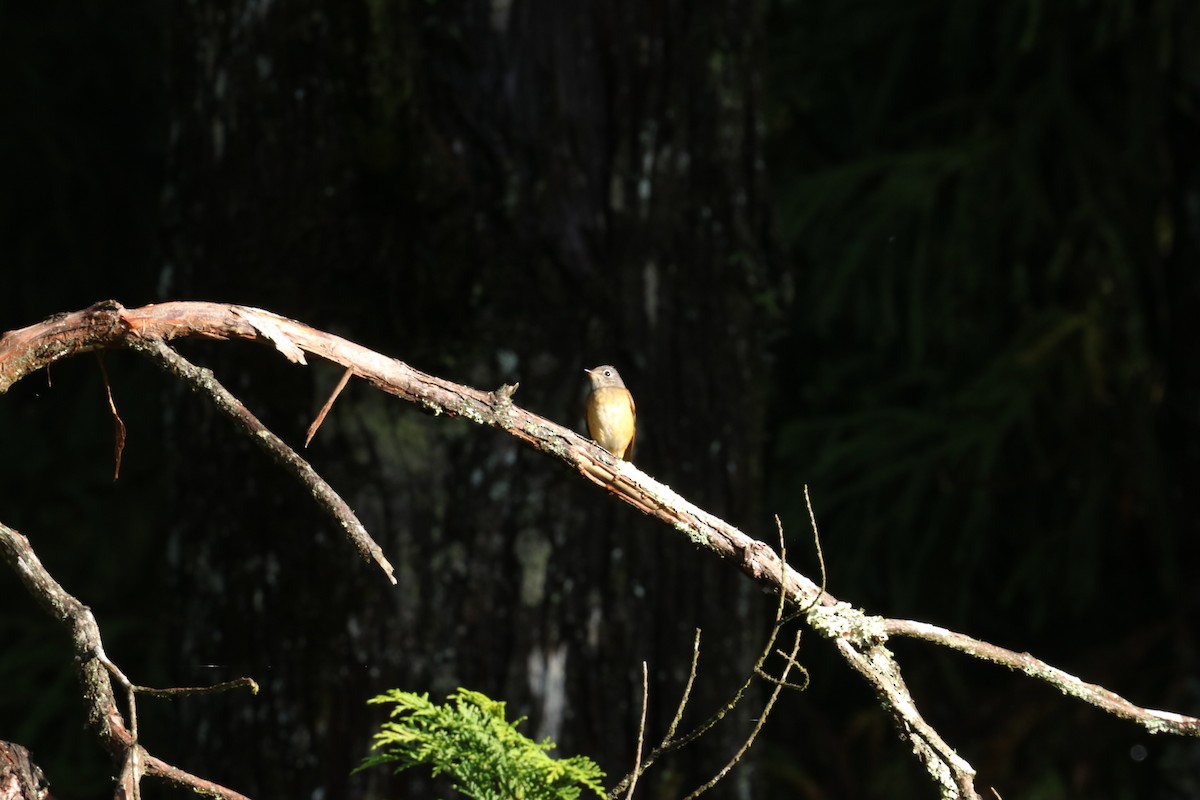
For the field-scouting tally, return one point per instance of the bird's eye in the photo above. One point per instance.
(608, 373)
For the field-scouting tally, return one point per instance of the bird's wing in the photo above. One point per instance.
(633, 438)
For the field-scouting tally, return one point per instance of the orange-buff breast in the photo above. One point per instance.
(611, 420)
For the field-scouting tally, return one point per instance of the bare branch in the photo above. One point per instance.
(858, 637)
(216, 688)
(780, 684)
(118, 423)
(669, 741)
(94, 667)
(202, 381)
(1151, 719)
(687, 691)
(312, 429)
(637, 756)
(812, 519)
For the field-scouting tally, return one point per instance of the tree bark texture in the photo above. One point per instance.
(20, 778)
(496, 192)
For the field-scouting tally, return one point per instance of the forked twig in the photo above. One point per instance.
(96, 673)
(670, 743)
(780, 684)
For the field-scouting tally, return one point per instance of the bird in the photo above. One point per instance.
(611, 415)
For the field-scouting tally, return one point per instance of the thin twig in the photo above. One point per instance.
(780, 684)
(812, 520)
(637, 758)
(312, 429)
(132, 773)
(687, 690)
(216, 688)
(669, 744)
(665, 745)
(119, 445)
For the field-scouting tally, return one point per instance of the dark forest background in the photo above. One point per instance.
(939, 261)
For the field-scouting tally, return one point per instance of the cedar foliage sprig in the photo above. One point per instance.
(469, 739)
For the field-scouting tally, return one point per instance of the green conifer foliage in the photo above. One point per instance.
(469, 739)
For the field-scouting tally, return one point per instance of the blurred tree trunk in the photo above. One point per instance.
(500, 192)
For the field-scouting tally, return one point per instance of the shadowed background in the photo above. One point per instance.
(937, 263)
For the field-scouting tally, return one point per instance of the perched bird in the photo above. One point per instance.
(611, 418)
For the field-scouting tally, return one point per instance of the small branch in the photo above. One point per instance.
(133, 769)
(174, 776)
(216, 688)
(780, 684)
(669, 741)
(1152, 720)
(312, 429)
(687, 690)
(812, 519)
(637, 756)
(203, 382)
(118, 424)
(94, 670)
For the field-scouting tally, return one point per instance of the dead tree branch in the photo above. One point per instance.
(860, 639)
(104, 715)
